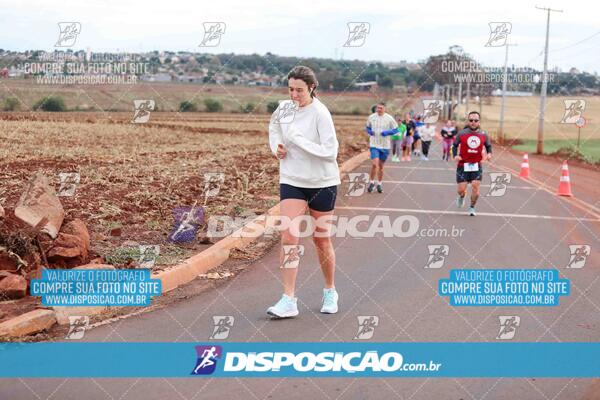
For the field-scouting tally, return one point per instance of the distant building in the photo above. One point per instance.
(191, 78)
(156, 78)
(256, 79)
(366, 86)
(498, 93)
(15, 73)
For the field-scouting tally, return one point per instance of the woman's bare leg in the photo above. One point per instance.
(290, 209)
(324, 246)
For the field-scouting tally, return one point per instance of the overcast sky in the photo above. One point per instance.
(398, 30)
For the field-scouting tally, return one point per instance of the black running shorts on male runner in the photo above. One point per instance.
(462, 176)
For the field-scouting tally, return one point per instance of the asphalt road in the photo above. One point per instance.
(385, 277)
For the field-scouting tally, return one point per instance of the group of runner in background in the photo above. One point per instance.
(400, 138)
(403, 137)
(414, 137)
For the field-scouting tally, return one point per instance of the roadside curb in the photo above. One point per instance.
(41, 319)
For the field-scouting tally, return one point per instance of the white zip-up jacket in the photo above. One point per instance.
(308, 135)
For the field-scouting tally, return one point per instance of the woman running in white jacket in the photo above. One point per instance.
(302, 136)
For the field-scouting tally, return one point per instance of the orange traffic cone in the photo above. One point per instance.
(564, 187)
(525, 167)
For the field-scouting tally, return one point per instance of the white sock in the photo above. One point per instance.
(379, 182)
(372, 182)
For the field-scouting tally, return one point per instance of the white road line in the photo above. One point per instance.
(503, 215)
(454, 184)
(417, 167)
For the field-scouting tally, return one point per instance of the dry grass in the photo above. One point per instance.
(168, 96)
(521, 117)
(134, 175)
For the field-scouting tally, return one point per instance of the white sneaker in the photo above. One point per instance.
(330, 300)
(286, 307)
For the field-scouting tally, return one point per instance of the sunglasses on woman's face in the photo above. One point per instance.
(473, 120)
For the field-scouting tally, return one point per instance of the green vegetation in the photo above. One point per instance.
(50, 103)
(248, 108)
(188, 106)
(213, 105)
(589, 150)
(11, 104)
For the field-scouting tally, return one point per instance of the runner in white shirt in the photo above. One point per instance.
(427, 133)
(302, 136)
(380, 127)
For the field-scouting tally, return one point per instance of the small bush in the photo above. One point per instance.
(213, 105)
(11, 104)
(50, 103)
(570, 153)
(248, 108)
(188, 106)
(272, 106)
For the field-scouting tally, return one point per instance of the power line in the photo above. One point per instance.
(574, 55)
(576, 43)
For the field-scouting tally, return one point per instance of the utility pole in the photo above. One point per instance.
(504, 83)
(451, 102)
(445, 109)
(468, 94)
(447, 102)
(436, 90)
(540, 138)
(459, 103)
(480, 96)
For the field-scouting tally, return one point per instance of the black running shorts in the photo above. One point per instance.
(462, 176)
(318, 199)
